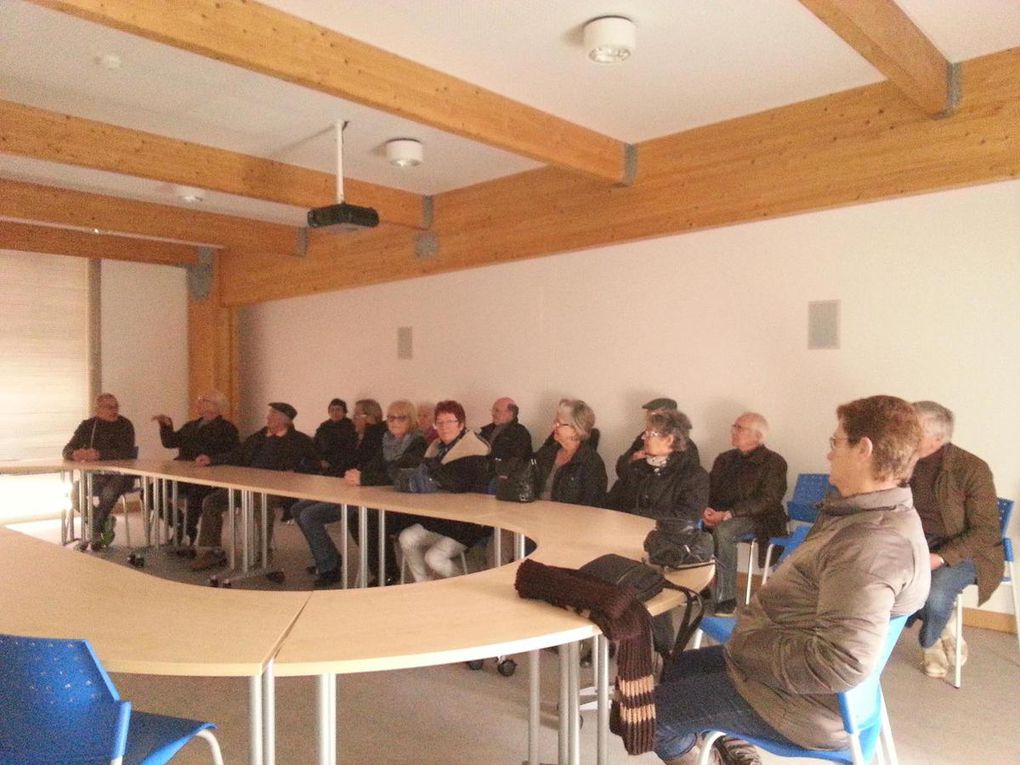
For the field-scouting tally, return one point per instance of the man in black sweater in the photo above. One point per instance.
(107, 436)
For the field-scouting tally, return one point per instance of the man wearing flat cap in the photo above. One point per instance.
(637, 449)
(278, 446)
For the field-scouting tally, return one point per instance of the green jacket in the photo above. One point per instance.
(967, 503)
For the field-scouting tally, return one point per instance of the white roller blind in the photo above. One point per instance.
(44, 320)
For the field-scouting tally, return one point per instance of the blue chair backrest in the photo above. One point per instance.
(58, 703)
(793, 542)
(861, 706)
(809, 490)
(1005, 513)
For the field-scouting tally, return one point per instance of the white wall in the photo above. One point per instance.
(715, 319)
(145, 346)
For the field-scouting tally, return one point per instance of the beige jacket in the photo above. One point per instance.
(818, 626)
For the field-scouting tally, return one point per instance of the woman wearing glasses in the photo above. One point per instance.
(456, 461)
(665, 483)
(569, 468)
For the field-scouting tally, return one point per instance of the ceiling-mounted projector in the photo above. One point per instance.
(343, 216)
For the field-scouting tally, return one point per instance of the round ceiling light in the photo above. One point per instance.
(610, 39)
(404, 152)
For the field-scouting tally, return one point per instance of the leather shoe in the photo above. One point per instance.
(327, 578)
(209, 559)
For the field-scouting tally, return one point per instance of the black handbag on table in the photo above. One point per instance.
(678, 543)
(517, 481)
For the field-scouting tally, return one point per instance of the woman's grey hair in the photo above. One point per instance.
(935, 419)
(578, 415)
(672, 422)
(370, 408)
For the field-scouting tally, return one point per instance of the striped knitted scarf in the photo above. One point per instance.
(624, 620)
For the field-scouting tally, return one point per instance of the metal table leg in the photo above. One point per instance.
(601, 661)
(255, 720)
(269, 715)
(534, 704)
(326, 697)
(344, 569)
(362, 546)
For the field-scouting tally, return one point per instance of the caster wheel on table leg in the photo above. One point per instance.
(475, 665)
(507, 667)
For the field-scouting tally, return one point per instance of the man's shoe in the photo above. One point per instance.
(935, 663)
(98, 545)
(726, 608)
(311, 569)
(735, 751)
(209, 559)
(327, 579)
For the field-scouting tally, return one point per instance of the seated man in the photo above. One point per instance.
(746, 495)
(818, 627)
(209, 433)
(278, 446)
(107, 436)
(637, 448)
(508, 439)
(955, 497)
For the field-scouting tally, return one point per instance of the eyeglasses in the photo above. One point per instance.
(396, 417)
(653, 434)
(833, 440)
(738, 427)
(360, 415)
(109, 406)
(446, 423)
(561, 424)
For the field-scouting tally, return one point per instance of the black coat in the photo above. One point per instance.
(512, 443)
(639, 444)
(337, 443)
(752, 485)
(194, 438)
(582, 481)
(113, 440)
(370, 446)
(296, 452)
(678, 489)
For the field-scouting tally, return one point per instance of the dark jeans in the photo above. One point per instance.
(696, 695)
(947, 582)
(108, 488)
(312, 518)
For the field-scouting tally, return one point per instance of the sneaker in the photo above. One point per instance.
(735, 751)
(107, 535)
(726, 608)
(209, 559)
(934, 662)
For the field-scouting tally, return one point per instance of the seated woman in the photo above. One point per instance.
(403, 446)
(209, 433)
(569, 468)
(456, 461)
(666, 482)
(369, 434)
(818, 626)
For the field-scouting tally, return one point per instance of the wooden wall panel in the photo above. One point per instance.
(858, 146)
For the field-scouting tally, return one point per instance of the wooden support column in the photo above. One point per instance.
(212, 346)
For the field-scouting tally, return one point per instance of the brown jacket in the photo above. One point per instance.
(818, 626)
(967, 503)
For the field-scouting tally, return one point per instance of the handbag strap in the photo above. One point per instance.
(693, 613)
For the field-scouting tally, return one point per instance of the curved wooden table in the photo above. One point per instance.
(142, 624)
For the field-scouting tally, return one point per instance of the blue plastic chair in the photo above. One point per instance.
(60, 706)
(1005, 513)
(809, 490)
(862, 708)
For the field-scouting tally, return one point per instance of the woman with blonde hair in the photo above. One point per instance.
(569, 468)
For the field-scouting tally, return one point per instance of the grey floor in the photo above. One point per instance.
(449, 715)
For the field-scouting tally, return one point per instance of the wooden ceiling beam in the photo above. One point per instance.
(274, 43)
(27, 237)
(41, 134)
(883, 34)
(65, 207)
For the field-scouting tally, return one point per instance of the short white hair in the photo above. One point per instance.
(936, 420)
(759, 423)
